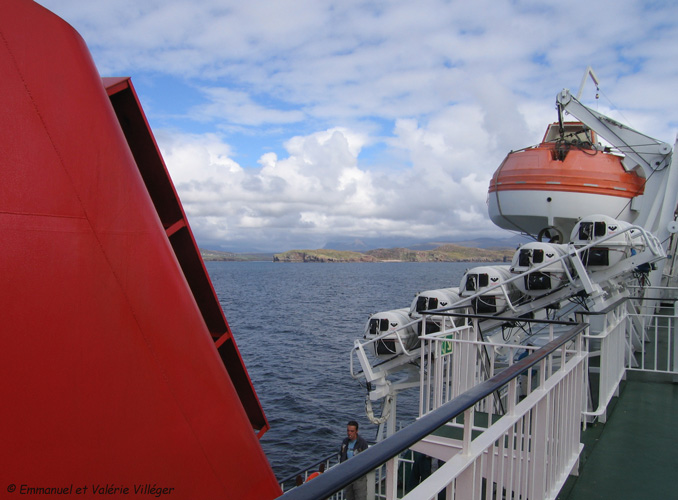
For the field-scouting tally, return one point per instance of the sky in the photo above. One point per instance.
(297, 124)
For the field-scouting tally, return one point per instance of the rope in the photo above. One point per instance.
(385, 411)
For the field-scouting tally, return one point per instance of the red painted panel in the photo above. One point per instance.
(161, 190)
(109, 371)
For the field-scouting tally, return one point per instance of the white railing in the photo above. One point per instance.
(655, 347)
(608, 335)
(521, 441)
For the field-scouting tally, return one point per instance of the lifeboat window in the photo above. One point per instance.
(426, 303)
(524, 258)
(538, 256)
(601, 229)
(476, 281)
(587, 230)
(377, 325)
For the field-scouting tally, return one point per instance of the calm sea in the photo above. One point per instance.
(295, 325)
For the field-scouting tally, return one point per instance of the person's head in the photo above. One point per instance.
(352, 430)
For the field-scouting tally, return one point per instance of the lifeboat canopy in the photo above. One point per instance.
(402, 333)
(553, 271)
(485, 279)
(621, 241)
(545, 189)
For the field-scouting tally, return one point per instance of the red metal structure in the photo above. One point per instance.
(118, 368)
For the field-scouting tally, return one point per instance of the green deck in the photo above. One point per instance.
(635, 454)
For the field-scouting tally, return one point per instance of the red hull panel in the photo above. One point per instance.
(110, 371)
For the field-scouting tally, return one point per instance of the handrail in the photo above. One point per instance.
(345, 473)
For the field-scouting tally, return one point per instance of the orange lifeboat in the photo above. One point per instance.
(544, 190)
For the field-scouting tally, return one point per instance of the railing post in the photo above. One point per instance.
(674, 339)
(464, 485)
(511, 396)
(468, 430)
(540, 442)
(392, 478)
(438, 370)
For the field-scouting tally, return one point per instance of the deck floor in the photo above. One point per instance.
(635, 454)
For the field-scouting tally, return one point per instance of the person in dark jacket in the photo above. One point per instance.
(350, 447)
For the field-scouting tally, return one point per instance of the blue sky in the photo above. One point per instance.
(290, 123)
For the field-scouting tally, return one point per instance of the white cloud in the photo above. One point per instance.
(385, 118)
(240, 108)
(318, 190)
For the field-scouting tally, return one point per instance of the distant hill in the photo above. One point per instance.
(366, 244)
(443, 253)
(488, 243)
(214, 255)
(323, 255)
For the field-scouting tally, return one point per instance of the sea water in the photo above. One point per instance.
(295, 324)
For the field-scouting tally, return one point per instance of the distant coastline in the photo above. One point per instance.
(443, 253)
(214, 255)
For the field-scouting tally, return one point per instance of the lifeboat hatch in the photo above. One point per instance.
(385, 347)
(537, 281)
(426, 303)
(484, 305)
(573, 132)
(596, 256)
(589, 230)
(378, 326)
(476, 281)
(530, 256)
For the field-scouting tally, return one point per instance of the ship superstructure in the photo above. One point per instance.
(118, 365)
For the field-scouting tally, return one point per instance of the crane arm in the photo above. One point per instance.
(650, 154)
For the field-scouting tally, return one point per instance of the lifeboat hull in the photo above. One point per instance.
(544, 187)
